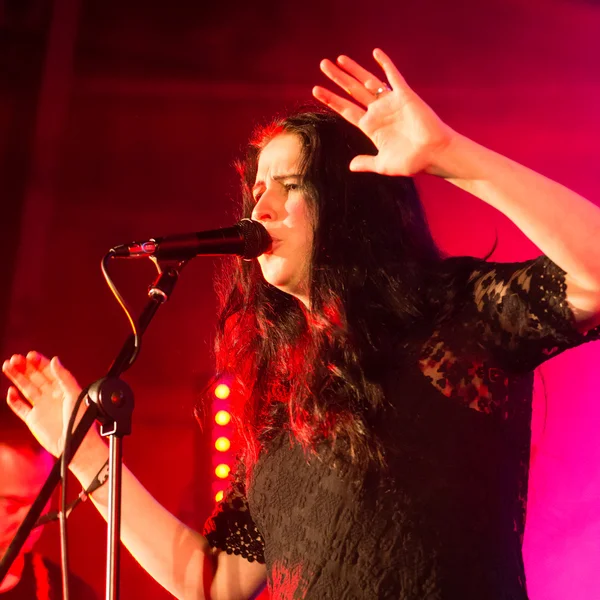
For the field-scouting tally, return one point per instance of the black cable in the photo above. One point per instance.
(64, 466)
(64, 509)
(99, 480)
(123, 304)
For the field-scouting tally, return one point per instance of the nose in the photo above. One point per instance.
(264, 209)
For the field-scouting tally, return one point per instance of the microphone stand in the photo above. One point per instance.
(109, 400)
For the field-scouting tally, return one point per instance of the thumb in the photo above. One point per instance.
(363, 163)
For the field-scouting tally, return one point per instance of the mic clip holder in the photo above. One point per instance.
(114, 399)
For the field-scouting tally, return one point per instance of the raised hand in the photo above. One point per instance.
(43, 395)
(408, 135)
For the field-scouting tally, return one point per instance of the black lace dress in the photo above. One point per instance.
(446, 521)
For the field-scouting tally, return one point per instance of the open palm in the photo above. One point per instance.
(43, 395)
(407, 133)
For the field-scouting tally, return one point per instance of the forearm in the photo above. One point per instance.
(172, 553)
(563, 224)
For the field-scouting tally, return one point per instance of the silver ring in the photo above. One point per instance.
(380, 90)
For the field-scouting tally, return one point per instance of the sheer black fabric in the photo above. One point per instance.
(445, 520)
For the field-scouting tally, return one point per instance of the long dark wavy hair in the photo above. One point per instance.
(317, 373)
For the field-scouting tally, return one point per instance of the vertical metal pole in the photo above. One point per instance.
(115, 448)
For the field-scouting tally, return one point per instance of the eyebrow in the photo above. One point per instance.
(258, 184)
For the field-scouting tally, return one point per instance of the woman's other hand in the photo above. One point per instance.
(43, 395)
(408, 135)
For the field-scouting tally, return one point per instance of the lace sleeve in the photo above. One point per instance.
(231, 528)
(523, 313)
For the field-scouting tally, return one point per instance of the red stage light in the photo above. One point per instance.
(222, 391)
(222, 417)
(222, 444)
(222, 471)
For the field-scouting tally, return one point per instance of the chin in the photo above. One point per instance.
(275, 275)
(282, 285)
(282, 277)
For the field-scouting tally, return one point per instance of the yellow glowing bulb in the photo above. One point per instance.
(219, 496)
(222, 471)
(222, 444)
(222, 391)
(222, 417)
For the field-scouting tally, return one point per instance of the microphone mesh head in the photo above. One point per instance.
(256, 238)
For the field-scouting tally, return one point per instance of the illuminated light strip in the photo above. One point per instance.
(221, 458)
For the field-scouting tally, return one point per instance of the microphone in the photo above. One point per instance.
(247, 239)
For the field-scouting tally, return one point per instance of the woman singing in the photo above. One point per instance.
(386, 389)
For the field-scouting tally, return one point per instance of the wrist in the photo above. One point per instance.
(446, 157)
(89, 458)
